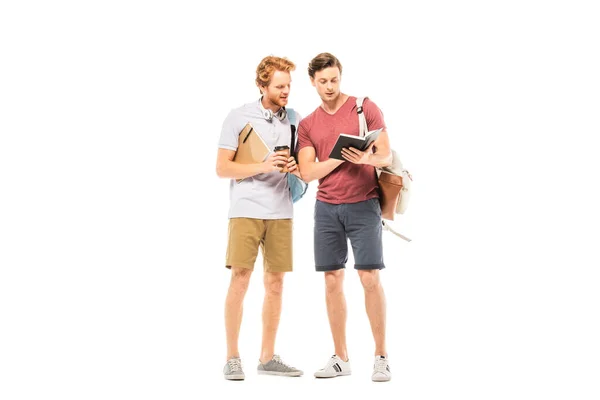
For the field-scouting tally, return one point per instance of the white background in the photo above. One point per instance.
(113, 221)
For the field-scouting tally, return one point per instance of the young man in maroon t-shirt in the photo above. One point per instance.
(347, 207)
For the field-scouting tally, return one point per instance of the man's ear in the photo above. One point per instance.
(312, 81)
(262, 89)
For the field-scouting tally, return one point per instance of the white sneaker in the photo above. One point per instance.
(381, 370)
(334, 367)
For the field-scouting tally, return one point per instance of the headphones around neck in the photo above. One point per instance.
(268, 114)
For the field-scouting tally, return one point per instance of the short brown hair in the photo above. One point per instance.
(322, 61)
(268, 66)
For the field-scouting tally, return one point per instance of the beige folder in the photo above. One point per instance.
(252, 148)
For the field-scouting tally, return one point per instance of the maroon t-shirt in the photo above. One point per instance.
(348, 183)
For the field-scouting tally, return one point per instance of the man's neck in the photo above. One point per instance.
(266, 103)
(331, 107)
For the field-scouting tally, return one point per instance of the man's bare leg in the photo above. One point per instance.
(238, 286)
(271, 313)
(336, 310)
(375, 306)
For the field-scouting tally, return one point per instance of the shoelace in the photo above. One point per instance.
(235, 364)
(278, 360)
(380, 365)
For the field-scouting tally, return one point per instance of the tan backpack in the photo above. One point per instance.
(394, 181)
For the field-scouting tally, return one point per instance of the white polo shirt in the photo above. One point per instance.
(262, 196)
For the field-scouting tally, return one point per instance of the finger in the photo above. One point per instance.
(348, 150)
(348, 155)
(292, 168)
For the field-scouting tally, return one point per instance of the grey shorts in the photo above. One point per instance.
(336, 223)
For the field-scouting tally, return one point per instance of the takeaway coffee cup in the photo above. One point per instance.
(287, 150)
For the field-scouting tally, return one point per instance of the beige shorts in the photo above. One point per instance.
(273, 236)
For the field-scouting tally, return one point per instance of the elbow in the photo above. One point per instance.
(308, 172)
(220, 171)
(310, 179)
(307, 177)
(389, 160)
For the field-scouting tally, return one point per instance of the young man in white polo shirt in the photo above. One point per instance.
(260, 213)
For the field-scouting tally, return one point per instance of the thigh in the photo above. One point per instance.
(363, 226)
(277, 245)
(245, 235)
(330, 241)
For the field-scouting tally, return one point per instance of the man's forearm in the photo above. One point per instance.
(235, 170)
(312, 170)
(380, 160)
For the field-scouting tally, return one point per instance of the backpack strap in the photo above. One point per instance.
(362, 121)
(387, 227)
(297, 186)
(291, 114)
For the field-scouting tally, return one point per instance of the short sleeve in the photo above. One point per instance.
(303, 136)
(230, 132)
(373, 115)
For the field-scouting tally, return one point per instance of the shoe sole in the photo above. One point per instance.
(386, 379)
(292, 374)
(346, 373)
(235, 377)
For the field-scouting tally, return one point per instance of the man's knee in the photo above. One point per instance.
(240, 278)
(334, 281)
(369, 279)
(274, 283)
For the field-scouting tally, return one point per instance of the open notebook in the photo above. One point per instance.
(358, 142)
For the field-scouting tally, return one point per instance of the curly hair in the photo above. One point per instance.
(268, 66)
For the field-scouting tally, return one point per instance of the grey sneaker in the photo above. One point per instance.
(277, 367)
(233, 370)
